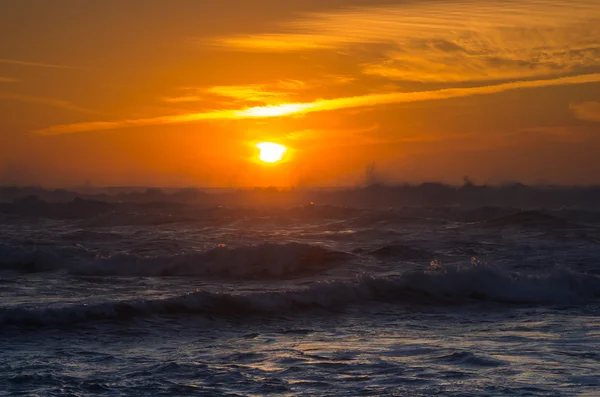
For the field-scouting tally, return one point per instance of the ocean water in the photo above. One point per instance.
(177, 300)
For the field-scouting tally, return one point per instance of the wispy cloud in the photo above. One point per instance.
(277, 42)
(589, 111)
(321, 105)
(452, 41)
(34, 64)
(248, 93)
(182, 99)
(8, 80)
(262, 93)
(59, 103)
(113, 125)
(269, 94)
(562, 133)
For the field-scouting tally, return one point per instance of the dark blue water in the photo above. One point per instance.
(309, 301)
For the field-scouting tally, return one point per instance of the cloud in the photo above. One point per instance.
(263, 93)
(113, 125)
(182, 99)
(452, 41)
(589, 111)
(436, 65)
(59, 103)
(276, 42)
(269, 94)
(8, 80)
(278, 91)
(321, 105)
(296, 85)
(248, 93)
(558, 133)
(34, 64)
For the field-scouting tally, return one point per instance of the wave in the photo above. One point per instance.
(86, 235)
(33, 206)
(444, 287)
(402, 253)
(532, 219)
(35, 259)
(470, 359)
(248, 262)
(134, 218)
(377, 195)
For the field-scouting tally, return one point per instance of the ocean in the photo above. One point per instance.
(102, 295)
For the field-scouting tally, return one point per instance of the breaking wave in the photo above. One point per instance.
(248, 262)
(442, 287)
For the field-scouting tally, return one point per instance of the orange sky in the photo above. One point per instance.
(148, 92)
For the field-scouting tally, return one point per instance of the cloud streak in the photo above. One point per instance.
(248, 93)
(182, 99)
(33, 64)
(588, 111)
(8, 80)
(452, 41)
(58, 103)
(320, 105)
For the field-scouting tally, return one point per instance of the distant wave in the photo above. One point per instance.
(357, 215)
(444, 287)
(34, 259)
(468, 195)
(248, 262)
(535, 219)
(402, 253)
(470, 359)
(33, 206)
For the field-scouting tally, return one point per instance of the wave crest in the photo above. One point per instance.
(444, 287)
(249, 262)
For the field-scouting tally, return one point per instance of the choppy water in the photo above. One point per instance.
(177, 300)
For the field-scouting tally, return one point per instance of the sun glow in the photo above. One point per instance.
(271, 152)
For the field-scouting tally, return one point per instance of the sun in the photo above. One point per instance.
(271, 152)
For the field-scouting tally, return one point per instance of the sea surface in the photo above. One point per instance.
(317, 300)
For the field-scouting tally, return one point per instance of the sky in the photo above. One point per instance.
(178, 93)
